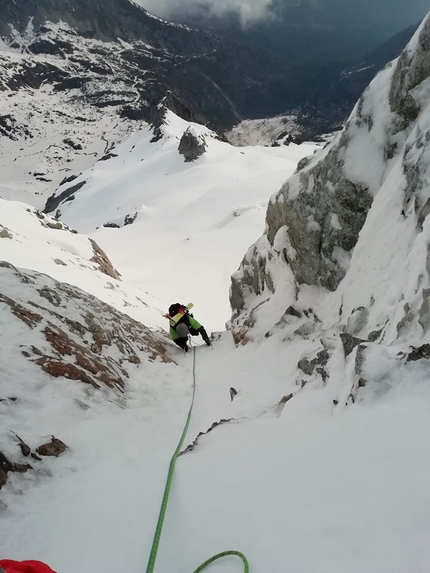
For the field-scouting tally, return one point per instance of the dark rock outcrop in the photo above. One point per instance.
(54, 200)
(423, 352)
(349, 343)
(191, 146)
(6, 467)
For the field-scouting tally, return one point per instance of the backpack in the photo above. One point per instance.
(179, 313)
(174, 309)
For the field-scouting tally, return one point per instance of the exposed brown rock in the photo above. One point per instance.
(100, 336)
(56, 368)
(191, 447)
(25, 449)
(81, 337)
(30, 318)
(284, 400)
(52, 225)
(51, 295)
(102, 260)
(53, 448)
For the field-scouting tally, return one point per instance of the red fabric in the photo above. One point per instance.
(25, 566)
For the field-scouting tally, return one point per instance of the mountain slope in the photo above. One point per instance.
(29, 239)
(180, 209)
(215, 77)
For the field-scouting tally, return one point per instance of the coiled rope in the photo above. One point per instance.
(162, 514)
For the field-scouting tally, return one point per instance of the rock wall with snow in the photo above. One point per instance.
(344, 261)
(56, 334)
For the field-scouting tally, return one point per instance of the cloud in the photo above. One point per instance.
(248, 10)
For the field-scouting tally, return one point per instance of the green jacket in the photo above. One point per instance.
(191, 321)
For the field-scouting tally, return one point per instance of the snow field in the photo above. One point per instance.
(297, 489)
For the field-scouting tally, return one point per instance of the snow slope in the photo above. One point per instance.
(298, 489)
(267, 131)
(66, 256)
(193, 220)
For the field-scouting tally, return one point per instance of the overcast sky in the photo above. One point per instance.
(402, 12)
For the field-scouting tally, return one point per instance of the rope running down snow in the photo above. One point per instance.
(162, 514)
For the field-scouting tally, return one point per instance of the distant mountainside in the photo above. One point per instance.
(307, 30)
(77, 77)
(222, 75)
(332, 104)
(75, 81)
(156, 55)
(103, 20)
(319, 56)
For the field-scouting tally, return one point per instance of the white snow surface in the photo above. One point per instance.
(302, 489)
(264, 131)
(297, 486)
(194, 220)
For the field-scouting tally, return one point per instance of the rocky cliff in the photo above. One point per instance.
(343, 263)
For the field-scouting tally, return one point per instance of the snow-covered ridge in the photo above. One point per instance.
(150, 165)
(174, 215)
(32, 240)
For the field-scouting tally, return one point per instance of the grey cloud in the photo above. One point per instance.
(248, 10)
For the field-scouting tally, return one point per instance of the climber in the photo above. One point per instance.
(9, 566)
(182, 323)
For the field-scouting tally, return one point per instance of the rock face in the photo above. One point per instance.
(192, 145)
(313, 223)
(103, 261)
(53, 448)
(349, 235)
(62, 350)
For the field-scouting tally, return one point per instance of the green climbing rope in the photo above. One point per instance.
(224, 554)
(162, 514)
